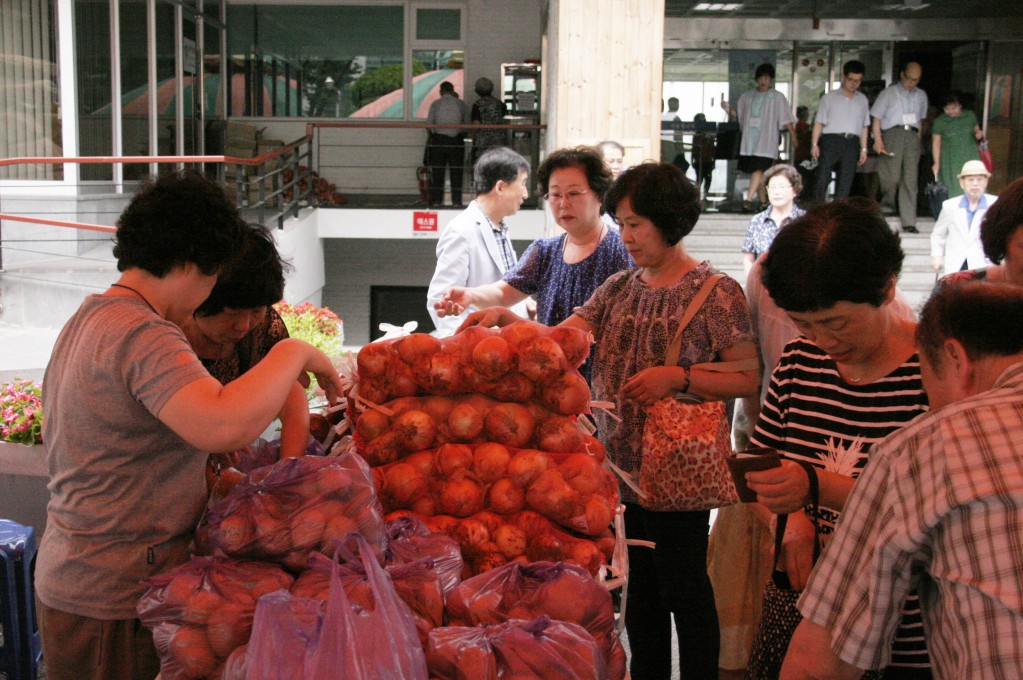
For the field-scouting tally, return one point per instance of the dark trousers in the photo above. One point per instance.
(840, 154)
(446, 152)
(670, 580)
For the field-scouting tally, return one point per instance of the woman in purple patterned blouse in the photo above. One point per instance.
(560, 272)
(633, 316)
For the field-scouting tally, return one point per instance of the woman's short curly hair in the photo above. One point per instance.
(254, 279)
(1001, 221)
(843, 251)
(598, 177)
(789, 172)
(179, 218)
(661, 193)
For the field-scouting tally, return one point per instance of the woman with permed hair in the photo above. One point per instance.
(560, 272)
(851, 378)
(131, 419)
(236, 326)
(488, 110)
(633, 316)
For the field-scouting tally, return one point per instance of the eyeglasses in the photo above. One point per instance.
(556, 197)
(778, 186)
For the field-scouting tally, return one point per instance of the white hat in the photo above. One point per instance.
(973, 168)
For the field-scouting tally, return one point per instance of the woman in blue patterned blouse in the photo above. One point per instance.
(783, 185)
(560, 272)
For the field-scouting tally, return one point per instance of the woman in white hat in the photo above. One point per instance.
(955, 240)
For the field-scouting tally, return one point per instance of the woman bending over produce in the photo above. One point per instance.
(131, 417)
(236, 326)
(633, 316)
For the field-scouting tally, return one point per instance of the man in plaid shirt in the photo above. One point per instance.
(938, 508)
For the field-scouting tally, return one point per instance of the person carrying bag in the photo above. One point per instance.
(686, 441)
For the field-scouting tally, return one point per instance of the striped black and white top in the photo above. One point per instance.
(811, 414)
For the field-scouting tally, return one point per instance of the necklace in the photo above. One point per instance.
(600, 236)
(144, 298)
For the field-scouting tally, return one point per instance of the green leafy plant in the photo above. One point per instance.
(318, 326)
(21, 412)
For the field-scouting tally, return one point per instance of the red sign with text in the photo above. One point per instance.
(424, 222)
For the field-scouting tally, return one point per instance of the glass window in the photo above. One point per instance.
(29, 125)
(438, 24)
(317, 60)
(92, 59)
(430, 69)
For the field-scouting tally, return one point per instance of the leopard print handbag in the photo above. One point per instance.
(686, 443)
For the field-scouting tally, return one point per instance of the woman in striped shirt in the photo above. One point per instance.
(849, 380)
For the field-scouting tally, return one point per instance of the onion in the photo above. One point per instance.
(228, 628)
(421, 461)
(598, 514)
(551, 496)
(526, 466)
(452, 458)
(574, 342)
(404, 483)
(425, 506)
(372, 424)
(492, 356)
(559, 434)
(439, 408)
(512, 387)
(382, 450)
(521, 331)
(541, 359)
(491, 520)
(200, 605)
(373, 359)
(505, 497)
(545, 547)
(467, 340)
(582, 472)
(307, 528)
(416, 347)
(586, 555)
(488, 561)
(193, 656)
(490, 461)
(472, 534)
(510, 540)
(375, 390)
(414, 430)
(444, 375)
(401, 379)
(460, 497)
(233, 534)
(442, 524)
(510, 424)
(465, 422)
(569, 395)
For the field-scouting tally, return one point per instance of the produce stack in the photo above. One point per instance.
(478, 435)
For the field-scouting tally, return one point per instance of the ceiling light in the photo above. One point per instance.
(717, 7)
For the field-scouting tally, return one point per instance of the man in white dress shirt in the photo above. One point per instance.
(839, 137)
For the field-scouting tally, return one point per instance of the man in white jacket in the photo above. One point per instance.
(955, 241)
(474, 249)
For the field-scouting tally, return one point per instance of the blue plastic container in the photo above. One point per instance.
(20, 649)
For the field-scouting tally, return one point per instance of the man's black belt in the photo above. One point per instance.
(910, 128)
(843, 135)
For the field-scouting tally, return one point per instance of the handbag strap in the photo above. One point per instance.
(675, 347)
(779, 532)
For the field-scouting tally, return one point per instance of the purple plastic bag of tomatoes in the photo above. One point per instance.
(283, 511)
(409, 540)
(540, 648)
(349, 641)
(564, 592)
(201, 611)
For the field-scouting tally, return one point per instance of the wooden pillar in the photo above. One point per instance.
(602, 74)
